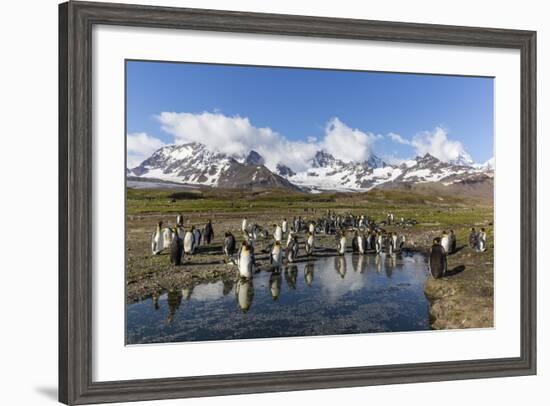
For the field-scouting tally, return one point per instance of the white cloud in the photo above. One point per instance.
(140, 146)
(437, 143)
(237, 136)
(399, 139)
(346, 143)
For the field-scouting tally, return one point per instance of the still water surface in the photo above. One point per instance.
(333, 295)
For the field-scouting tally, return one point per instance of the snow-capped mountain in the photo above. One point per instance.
(194, 164)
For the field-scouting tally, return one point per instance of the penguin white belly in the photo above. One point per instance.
(482, 242)
(361, 245)
(311, 228)
(290, 255)
(310, 243)
(342, 248)
(378, 245)
(166, 238)
(276, 257)
(245, 265)
(188, 243)
(445, 243)
(156, 242)
(289, 239)
(278, 235)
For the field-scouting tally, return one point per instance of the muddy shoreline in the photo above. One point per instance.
(464, 297)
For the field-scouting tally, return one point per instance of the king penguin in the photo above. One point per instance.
(445, 243)
(309, 244)
(361, 244)
(176, 249)
(341, 248)
(438, 259)
(276, 257)
(157, 241)
(189, 242)
(229, 244)
(246, 261)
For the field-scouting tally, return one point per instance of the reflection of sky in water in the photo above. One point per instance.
(333, 295)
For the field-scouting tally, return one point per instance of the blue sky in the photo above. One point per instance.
(394, 116)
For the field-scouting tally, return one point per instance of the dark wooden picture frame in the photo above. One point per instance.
(76, 20)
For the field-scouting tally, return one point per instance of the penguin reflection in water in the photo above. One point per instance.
(275, 281)
(340, 266)
(174, 301)
(438, 259)
(291, 274)
(245, 293)
(308, 273)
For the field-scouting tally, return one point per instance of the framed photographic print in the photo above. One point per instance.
(259, 202)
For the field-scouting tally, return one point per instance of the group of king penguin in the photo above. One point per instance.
(446, 244)
(363, 242)
(179, 240)
(184, 241)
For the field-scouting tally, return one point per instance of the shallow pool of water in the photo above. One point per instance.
(333, 295)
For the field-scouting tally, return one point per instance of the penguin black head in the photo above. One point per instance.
(160, 223)
(437, 241)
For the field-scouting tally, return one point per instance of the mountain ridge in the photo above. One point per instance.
(194, 164)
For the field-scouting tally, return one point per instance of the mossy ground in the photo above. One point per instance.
(462, 299)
